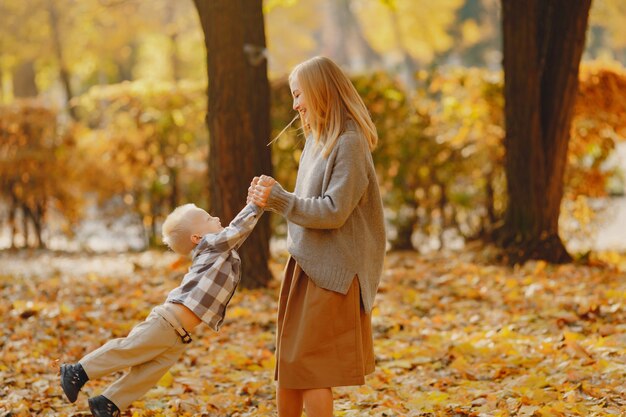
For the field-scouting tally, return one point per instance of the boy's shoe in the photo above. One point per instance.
(73, 377)
(101, 406)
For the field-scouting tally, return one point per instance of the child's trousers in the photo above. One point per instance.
(150, 349)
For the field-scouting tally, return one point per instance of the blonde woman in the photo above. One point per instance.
(336, 242)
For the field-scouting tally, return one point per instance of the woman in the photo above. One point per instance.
(336, 242)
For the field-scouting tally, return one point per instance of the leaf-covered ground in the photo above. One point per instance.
(452, 338)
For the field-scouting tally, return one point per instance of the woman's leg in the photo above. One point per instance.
(318, 402)
(289, 402)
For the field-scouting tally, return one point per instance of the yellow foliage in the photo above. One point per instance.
(419, 26)
(471, 32)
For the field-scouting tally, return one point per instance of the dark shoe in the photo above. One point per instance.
(101, 406)
(73, 377)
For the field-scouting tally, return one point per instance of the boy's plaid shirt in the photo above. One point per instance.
(215, 270)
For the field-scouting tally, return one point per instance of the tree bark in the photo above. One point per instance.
(238, 118)
(543, 44)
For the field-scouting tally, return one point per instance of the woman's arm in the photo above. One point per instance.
(330, 210)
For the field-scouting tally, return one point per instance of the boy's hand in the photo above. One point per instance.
(260, 189)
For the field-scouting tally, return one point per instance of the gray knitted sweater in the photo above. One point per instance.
(335, 216)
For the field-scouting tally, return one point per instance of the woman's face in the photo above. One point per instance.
(299, 102)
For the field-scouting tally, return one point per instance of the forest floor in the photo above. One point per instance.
(453, 337)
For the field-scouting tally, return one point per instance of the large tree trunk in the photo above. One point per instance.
(543, 44)
(238, 118)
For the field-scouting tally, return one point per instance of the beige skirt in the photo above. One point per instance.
(323, 338)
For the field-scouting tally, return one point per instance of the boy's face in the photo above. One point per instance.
(203, 223)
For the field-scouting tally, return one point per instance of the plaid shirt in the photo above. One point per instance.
(215, 270)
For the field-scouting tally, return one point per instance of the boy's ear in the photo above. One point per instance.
(196, 239)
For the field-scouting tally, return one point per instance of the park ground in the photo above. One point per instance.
(453, 337)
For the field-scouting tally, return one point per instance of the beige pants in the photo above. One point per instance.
(149, 350)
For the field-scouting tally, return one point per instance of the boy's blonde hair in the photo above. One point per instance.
(177, 229)
(331, 100)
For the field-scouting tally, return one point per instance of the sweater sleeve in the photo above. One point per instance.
(347, 184)
(237, 231)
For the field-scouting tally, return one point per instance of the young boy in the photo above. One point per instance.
(152, 347)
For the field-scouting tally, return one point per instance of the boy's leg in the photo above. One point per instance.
(143, 343)
(141, 378)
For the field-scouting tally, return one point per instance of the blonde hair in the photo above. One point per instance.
(177, 229)
(331, 100)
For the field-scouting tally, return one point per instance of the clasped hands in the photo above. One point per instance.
(260, 189)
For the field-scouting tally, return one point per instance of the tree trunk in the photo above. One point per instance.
(409, 67)
(490, 204)
(25, 225)
(12, 219)
(335, 33)
(344, 37)
(174, 194)
(24, 80)
(173, 33)
(64, 73)
(125, 64)
(238, 118)
(543, 44)
(36, 215)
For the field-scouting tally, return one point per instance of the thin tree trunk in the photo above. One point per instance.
(335, 33)
(25, 232)
(490, 194)
(126, 64)
(170, 23)
(36, 216)
(342, 32)
(543, 44)
(24, 80)
(12, 219)
(64, 73)
(408, 64)
(238, 118)
(174, 194)
(370, 57)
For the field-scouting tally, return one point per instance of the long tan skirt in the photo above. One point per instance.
(324, 338)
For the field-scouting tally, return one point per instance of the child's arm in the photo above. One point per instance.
(237, 231)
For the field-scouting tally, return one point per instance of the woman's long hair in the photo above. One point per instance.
(331, 100)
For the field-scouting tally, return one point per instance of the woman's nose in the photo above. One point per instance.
(295, 106)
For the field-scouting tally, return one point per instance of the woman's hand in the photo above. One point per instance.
(260, 189)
